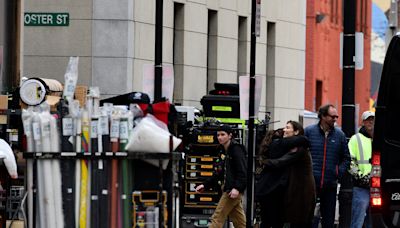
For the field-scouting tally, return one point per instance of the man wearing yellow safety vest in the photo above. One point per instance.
(360, 147)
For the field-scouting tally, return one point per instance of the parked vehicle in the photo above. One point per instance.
(385, 175)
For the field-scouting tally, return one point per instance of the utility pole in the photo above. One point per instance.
(158, 51)
(158, 82)
(348, 107)
(12, 47)
(250, 157)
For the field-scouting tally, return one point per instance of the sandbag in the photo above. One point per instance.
(147, 136)
(8, 157)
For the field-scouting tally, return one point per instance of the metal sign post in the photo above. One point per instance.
(250, 160)
(348, 107)
(158, 51)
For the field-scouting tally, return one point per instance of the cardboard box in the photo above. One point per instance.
(80, 94)
(15, 224)
(51, 100)
(3, 102)
(3, 106)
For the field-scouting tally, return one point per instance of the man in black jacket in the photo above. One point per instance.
(234, 181)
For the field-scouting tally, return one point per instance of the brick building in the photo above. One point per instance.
(323, 79)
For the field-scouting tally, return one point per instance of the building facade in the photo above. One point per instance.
(1, 42)
(323, 73)
(205, 41)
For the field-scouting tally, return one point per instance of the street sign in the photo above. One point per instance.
(359, 51)
(46, 19)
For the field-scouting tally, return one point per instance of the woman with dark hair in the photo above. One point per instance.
(287, 191)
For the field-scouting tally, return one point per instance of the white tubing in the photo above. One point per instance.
(45, 130)
(27, 123)
(49, 201)
(40, 217)
(55, 147)
(55, 136)
(37, 138)
(77, 191)
(58, 194)
(29, 187)
(78, 134)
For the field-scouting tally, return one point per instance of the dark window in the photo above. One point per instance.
(270, 64)
(212, 47)
(334, 9)
(178, 42)
(318, 94)
(242, 46)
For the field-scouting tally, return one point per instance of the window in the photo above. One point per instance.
(178, 42)
(271, 46)
(334, 9)
(242, 46)
(332, 16)
(318, 95)
(365, 17)
(271, 50)
(212, 47)
(362, 16)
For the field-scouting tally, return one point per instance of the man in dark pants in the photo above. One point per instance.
(234, 181)
(331, 159)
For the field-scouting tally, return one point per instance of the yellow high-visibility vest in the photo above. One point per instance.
(360, 148)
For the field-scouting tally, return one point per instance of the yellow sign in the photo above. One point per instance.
(206, 174)
(205, 138)
(208, 159)
(222, 108)
(205, 199)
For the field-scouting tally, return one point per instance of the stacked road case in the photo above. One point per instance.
(201, 158)
(204, 158)
(146, 209)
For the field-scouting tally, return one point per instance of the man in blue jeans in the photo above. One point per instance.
(331, 158)
(360, 146)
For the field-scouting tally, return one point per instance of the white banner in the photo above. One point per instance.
(167, 81)
(244, 91)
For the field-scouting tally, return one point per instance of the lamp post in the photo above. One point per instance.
(348, 107)
(158, 51)
(250, 158)
(158, 84)
(12, 56)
